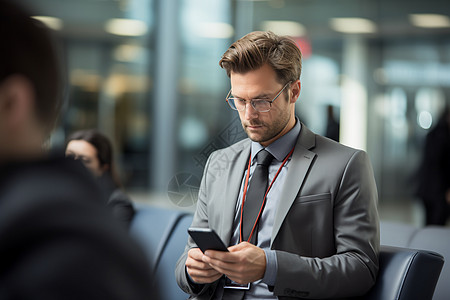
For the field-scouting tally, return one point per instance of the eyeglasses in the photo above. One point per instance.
(259, 105)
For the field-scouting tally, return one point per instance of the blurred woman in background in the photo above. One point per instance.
(95, 151)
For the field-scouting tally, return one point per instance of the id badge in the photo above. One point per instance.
(230, 284)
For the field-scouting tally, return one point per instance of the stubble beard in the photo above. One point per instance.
(270, 132)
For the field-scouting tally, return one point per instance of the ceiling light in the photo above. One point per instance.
(353, 25)
(215, 30)
(425, 119)
(429, 20)
(126, 27)
(51, 22)
(289, 28)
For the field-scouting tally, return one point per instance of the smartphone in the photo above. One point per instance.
(207, 239)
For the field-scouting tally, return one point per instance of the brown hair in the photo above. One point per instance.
(257, 48)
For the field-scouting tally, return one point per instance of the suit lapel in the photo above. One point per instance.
(237, 164)
(297, 169)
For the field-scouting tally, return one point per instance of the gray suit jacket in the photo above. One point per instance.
(326, 228)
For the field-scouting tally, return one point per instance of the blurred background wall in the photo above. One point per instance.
(145, 72)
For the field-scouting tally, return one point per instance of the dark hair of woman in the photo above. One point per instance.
(104, 150)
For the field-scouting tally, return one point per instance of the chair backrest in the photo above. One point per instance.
(165, 271)
(432, 238)
(406, 274)
(152, 227)
(437, 239)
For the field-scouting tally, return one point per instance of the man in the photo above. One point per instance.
(57, 240)
(317, 231)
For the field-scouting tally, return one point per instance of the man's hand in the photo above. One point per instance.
(243, 264)
(200, 271)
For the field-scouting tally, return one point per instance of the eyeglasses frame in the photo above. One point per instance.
(252, 100)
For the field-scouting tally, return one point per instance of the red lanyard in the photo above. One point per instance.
(265, 195)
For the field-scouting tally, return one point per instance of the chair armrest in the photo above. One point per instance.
(406, 274)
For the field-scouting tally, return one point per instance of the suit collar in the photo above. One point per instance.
(307, 138)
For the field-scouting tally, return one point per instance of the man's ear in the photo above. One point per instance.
(295, 90)
(16, 101)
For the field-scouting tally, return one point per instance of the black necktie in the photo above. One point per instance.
(255, 195)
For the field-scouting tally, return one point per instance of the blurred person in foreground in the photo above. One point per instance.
(57, 240)
(95, 151)
(434, 173)
(315, 234)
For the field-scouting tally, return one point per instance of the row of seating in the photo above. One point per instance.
(405, 272)
(429, 238)
(162, 234)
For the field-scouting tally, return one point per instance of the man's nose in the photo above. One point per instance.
(250, 111)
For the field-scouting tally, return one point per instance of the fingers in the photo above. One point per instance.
(233, 256)
(203, 276)
(198, 270)
(240, 247)
(195, 253)
(244, 263)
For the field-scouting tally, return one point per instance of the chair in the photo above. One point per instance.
(436, 238)
(152, 227)
(406, 274)
(431, 238)
(165, 271)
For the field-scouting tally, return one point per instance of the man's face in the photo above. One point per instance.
(263, 127)
(87, 153)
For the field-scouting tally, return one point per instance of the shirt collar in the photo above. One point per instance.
(282, 146)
